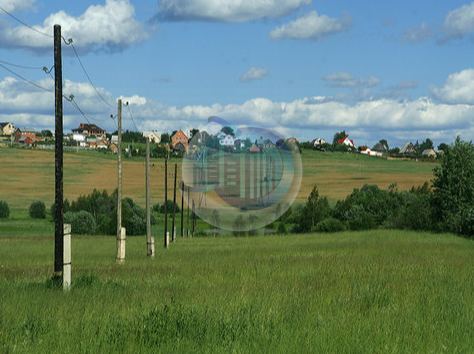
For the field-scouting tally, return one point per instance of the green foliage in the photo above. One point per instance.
(453, 199)
(4, 210)
(156, 207)
(169, 207)
(228, 130)
(37, 210)
(329, 225)
(103, 208)
(82, 222)
(316, 209)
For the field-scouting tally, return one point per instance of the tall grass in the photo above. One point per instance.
(378, 291)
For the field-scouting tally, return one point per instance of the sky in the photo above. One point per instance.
(395, 70)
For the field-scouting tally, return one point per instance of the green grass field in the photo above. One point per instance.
(378, 291)
(358, 292)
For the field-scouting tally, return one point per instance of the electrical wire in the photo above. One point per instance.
(85, 72)
(25, 24)
(22, 66)
(133, 120)
(25, 79)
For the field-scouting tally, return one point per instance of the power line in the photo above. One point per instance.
(133, 120)
(25, 79)
(22, 66)
(24, 24)
(85, 72)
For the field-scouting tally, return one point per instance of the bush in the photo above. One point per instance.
(156, 207)
(4, 210)
(82, 222)
(169, 206)
(37, 210)
(330, 225)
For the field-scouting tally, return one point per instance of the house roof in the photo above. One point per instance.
(379, 147)
(340, 141)
(407, 148)
(88, 127)
(254, 149)
(178, 133)
(428, 152)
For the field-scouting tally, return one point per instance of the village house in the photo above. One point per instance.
(346, 141)
(429, 153)
(179, 137)
(228, 140)
(316, 143)
(293, 140)
(7, 129)
(407, 149)
(26, 133)
(153, 137)
(254, 149)
(89, 130)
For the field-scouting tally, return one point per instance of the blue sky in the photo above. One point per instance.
(395, 70)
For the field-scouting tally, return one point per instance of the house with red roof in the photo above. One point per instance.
(346, 141)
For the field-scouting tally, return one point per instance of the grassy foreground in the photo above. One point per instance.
(377, 291)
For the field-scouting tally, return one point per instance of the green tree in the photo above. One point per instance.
(453, 197)
(4, 209)
(37, 210)
(426, 145)
(228, 130)
(442, 147)
(165, 138)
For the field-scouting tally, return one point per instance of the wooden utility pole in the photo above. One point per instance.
(193, 220)
(182, 208)
(58, 155)
(187, 221)
(166, 201)
(120, 234)
(173, 230)
(150, 249)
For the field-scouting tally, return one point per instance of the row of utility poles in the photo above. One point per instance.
(62, 232)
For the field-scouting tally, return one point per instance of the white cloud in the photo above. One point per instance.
(110, 27)
(418, 34)
(224, 10)
(254, 73)
(391, 119)
(16, 5)
(457, 89)
(311, 26)
(459, 22)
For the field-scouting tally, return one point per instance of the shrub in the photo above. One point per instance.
(169, 206)
(37, 210)
(82, 222)
(4, 209)
(330, 225)
(156, 207)
(282, 228)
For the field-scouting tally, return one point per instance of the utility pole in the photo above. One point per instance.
(58, 155)
(120, 234)
(150, 248)
(173, 230)
(182, 208)
(166, 201)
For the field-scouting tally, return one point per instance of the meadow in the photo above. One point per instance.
(356, 292)
(376, 291)
(28, 175)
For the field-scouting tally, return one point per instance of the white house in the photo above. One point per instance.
(228, 140)
(154, 137)
(79, 139)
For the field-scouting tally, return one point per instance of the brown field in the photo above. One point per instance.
(28, 175)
